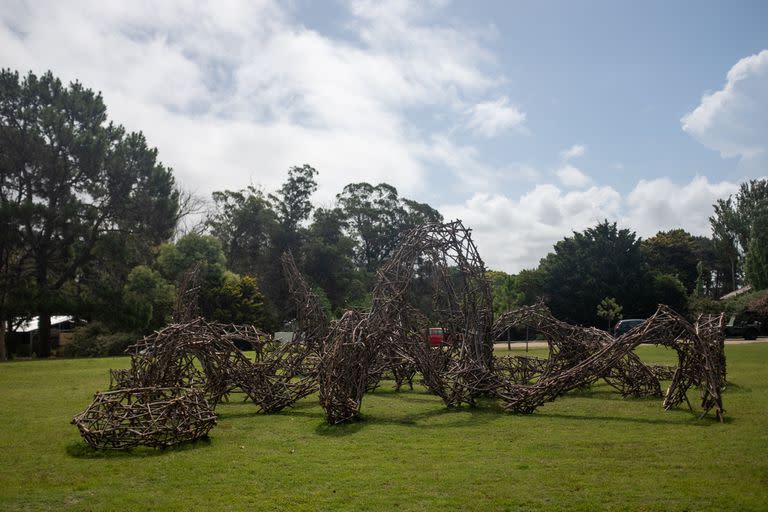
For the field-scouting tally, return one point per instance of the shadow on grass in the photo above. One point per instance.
(488, 410)
(410, 396)
(458, 415)
(240, 409)
(736, 388)
(80, 450)
(677, 417)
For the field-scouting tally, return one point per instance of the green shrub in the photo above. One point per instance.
(96, 339)
(741, 303)
(704, 305)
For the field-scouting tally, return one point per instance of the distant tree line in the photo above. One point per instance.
(90, 226)
(612, 266)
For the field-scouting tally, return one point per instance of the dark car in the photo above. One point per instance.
(748, 328)
(623, 326)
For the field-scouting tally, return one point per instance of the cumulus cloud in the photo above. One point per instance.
(734, 120)
(660, 205)
(571, 177)
(490, 118)
(472, 173)
(573, 152)
(236, 92)
(513, 234)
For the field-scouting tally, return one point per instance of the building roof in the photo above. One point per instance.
(736, 293)
(33, 324)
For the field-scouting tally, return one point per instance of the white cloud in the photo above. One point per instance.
(571, 177)
(471, 172)
(512, 234)
(238, 91)
(235, 92)
(734, 120)
(490, 118)
(515, 234)
(661, 205)
(572, 152)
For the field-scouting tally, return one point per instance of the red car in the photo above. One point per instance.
(435, 336)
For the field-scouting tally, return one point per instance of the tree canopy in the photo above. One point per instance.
(740, 232)
(89, 222)
(69, 178)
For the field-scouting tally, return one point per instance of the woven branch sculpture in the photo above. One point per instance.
(313, 324)
(155, 417)
(700, 356)
(204, 355)
(362, 347)
(196, 361)
(569, 345)
(180, 373)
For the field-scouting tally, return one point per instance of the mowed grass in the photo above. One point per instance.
(589, 450)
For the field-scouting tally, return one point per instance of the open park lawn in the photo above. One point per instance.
(589, 450)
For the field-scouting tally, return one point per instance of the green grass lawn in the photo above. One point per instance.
(588, 450)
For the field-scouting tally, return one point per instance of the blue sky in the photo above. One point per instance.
(526, 120)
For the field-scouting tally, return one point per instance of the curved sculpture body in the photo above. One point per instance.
(155, 417)
(180, 373)
(359, 348)
(204, 355)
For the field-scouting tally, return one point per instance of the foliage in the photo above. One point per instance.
(759, 304)
(713, 268)
(237, 300)
(667, 289)
(245, 224)
(375, 216)
(148, 298)
(530, 284)
(756, 259)
(603, 261)
(750, 301)
(325, 303)
(174, 259)
(609, 309)
(98, 340)
(293, 199)
(673, 252)
(740, 231)
(703, 305)
(69, 177)
(223, 295)
(504, 292)
(328, 260)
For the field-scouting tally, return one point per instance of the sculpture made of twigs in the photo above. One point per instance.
(180, 373)
(156, 417)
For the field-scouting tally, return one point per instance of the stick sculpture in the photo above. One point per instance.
(180, 373)
(352, 356)
(156, 417)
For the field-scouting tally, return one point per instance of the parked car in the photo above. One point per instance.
(435, 336)
(623, 326)
(746, 327)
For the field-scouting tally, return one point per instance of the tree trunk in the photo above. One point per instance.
(44, 333)
(3, 353)
(43, 300)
